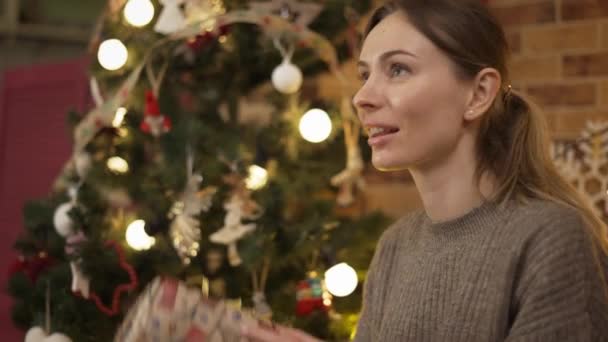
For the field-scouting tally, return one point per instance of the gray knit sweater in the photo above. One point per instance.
(522, 272)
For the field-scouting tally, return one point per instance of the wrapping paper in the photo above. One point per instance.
(169, 311)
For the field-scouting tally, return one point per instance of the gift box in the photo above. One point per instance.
(168, 310)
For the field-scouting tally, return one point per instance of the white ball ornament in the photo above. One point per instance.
(62, 221)
(287, 78)
(37, 334)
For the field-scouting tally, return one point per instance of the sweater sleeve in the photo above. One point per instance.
(559, 289)
(375, 286)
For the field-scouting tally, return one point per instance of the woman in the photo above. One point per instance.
(504, 249)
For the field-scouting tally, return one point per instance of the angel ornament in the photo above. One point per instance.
(171, 18)
(234, 229)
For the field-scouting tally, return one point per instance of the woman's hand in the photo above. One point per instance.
(276, 334)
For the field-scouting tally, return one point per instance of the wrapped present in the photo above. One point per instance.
(168, 311)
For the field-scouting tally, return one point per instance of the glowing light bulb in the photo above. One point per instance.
(118, 165)
(139, 12)
(315, 125)
(119, 117)
(257, 178)
(341, 280)
(137, 238)
(112, 54)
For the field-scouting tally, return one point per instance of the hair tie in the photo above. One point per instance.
(507, 93)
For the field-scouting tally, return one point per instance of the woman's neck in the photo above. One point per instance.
(452, 189)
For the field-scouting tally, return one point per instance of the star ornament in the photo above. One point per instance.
(297, 12)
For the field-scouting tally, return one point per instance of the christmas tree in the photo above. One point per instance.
(210, 158)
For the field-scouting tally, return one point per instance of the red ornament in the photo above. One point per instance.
(32, 267)
(309, 297)
(154, 122)
(114, 308)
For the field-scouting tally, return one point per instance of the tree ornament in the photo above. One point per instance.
(171, 19)
(261, 308)
(297, 12)
(62, 221)
(80, 282)
(38, 334)
(31, 267)
(233, 229)
(351, 177)
(185, 230)
(287, 78)
(309, 296)
(154, 122)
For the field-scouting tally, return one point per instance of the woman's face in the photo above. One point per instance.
(411, 102)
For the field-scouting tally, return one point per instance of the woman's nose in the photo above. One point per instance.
(367, 98)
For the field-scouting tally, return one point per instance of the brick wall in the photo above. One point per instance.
(559, 59)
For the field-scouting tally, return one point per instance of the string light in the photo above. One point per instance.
(119, 117)
(257, 178)
(112, 54)
(315, 125)
(341, 280)
(118, 165)
(139, 12)
(137, 238)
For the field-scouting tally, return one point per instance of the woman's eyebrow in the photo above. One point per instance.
(388, 55)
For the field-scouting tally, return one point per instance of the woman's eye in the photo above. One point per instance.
(363, 76)
(397, 70)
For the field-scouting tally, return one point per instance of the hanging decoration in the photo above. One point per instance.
(233, 229)
(350, 178)
(310, 295)
(296, 12)
(171, 18)
(80, 281)
(584, 164)
(154, 122)
(62, 221)
(286, 78)
(238, 206)
(261, 308)
(33, 266)
(185, 230)
(39, 334)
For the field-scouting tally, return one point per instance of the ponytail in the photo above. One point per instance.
(513, 144)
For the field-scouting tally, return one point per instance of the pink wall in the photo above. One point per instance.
(34, 145)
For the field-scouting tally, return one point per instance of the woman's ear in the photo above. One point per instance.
(485, 88)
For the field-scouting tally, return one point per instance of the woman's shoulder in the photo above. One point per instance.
(542, 212)
(542, 221)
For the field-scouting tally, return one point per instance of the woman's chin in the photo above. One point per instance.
(386, 165)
